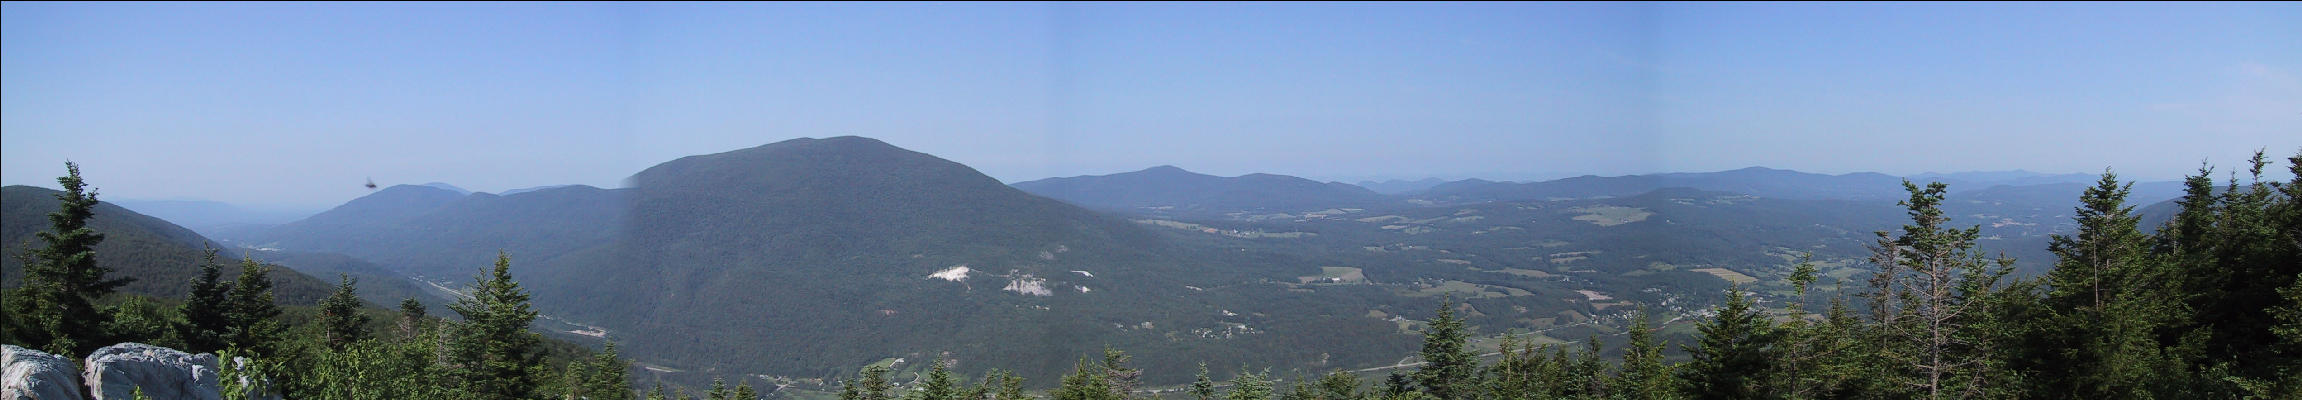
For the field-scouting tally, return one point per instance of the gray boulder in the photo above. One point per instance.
(115, 372)
(27, 374)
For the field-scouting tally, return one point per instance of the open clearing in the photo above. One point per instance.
(1526, 273)
(1730, 276)
(1611, 215)
(1336, 275)
(1467, 289)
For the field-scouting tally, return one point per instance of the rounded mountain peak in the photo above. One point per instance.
(847, 160)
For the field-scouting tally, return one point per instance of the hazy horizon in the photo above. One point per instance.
(297, 105)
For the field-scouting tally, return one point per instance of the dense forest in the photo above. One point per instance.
(2207, 306)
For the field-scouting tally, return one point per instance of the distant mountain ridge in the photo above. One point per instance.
(458, 232)
(1173, 190)
(1401, 186)
(809, 256)
(1759, 181)
(162, 256)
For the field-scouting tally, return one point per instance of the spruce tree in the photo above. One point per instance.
(1086, 381)
(498, 357)
(1398, 385)
(1516, 374)
(253, 318)
(743, 391)
(411, 317)
(1010, 386)
(62, 280)
(1449, 368)
(940, 385)
(206, 311)
(870, 384)
(608, 378)
(1250, 386)
(1932, 297)
(574, 379)
(1644, 375)
(718, 390)
(1588, 373)
(1201, 387)
(1734, 355)
(1117, 375)
(2106, 305)
(1337, 385)
(340, 318)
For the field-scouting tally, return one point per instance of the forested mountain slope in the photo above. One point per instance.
(1173, 191)
(161, 256)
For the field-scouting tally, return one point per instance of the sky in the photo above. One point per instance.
(297, 105)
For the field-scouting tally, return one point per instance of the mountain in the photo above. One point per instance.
(442, 235)
(447, 187)
(810, 257)
(531, 189)
(2011, 178)
(1401, 186)
(163, 257)
(1171, 190)
(1758, 181)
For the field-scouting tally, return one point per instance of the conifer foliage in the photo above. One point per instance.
(55, 309)
(495, 355)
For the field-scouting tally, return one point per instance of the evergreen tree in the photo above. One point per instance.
(1337, 385)
(607, 375)
(657, 392)
(2104, 309)
(1449, 367)
(1588, 374)
(573, 379)
(1734, 355)
(940, 385)
(206, 311)
(1010, 385)
(1117, 375)
(1847, 361)
(340, 318)
(743, 391)
(1931, 297)
(2236, 250)
(62, 280)
(718, 390)
(870, 384)
(1644, 375)
(252, 319)
(1201, 387)
(498, 358)
(411, 316)
(1798, 338)
(1087, 381)
(1397, 385)
(1250, 386)
(1517, 374)
(1297, 391)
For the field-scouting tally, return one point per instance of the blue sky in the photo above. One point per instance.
(296, 105)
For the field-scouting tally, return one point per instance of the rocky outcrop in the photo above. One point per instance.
(115, 372)
(27, 374)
